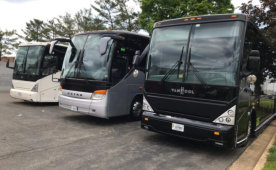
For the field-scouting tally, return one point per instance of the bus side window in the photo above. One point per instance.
(49, 65)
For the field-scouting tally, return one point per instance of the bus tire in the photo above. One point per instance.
(136, 108)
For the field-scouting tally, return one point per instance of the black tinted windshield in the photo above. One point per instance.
(94, 65)
(28, 59)
(213, 52)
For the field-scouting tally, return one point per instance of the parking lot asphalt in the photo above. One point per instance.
(43, 136)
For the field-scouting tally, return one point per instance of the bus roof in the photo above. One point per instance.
(39, 44)
(118, 32)
(202, 19)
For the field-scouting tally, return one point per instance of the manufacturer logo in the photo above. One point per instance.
(182, 91)
(74, 94)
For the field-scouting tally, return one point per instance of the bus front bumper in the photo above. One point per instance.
(25, 95)
(86, 106)
(220, 135)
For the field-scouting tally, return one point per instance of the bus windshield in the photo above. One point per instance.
(28, 59)
(93, 65)
(211, 56)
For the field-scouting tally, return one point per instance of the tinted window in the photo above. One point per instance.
(166, 47)
(33, 60)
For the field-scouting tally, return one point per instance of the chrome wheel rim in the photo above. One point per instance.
(137, 109)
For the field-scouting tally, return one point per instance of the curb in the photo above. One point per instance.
(260, 164)
(254, 156)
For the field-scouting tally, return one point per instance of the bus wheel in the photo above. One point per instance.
(136, 109)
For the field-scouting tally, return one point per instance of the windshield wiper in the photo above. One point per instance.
(195, 70)
(74, 64)
(173, 68)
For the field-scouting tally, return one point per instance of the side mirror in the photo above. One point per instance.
(8, 64)
(103, 46)
(135, 60)
(54, 79)
(254, 62)
(53, 43)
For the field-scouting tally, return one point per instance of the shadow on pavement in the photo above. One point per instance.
(33, 104)
(189, 145)
(91, 120)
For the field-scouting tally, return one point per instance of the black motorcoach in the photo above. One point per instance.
(209, 78)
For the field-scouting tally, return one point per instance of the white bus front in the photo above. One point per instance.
(33, 71)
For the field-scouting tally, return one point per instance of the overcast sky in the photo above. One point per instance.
(15, 13)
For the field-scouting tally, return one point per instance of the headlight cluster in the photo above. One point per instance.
(98, 94)
(35, 88)
(228, 117)
(146, 105)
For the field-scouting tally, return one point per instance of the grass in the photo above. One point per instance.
(271, 158)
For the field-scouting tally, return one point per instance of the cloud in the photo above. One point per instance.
(18, 1)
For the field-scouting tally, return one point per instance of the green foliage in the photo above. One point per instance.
(66, 26)
(106, 9)
(8, 42)
(35, 30)
(271, 158)
(117, 14)
(127, 18)
(159, 10)
(265, 15)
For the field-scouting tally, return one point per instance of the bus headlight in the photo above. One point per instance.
(146, 105)
(35, 88)
(228, 117)
(98, 94)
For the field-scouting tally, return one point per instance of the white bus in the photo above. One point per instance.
(33, 73)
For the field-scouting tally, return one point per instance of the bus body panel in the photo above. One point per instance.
(194, 130)
(47, 90)
(25, 95)
(124, 93)
(83, 103)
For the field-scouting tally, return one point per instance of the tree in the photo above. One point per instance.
(35, 31)
(158, 10)
(8, 42)
(107, 10)
(264, 16)
(127, 18)
(66, 26)
(51, 29)
(86, 22)
(117, 14)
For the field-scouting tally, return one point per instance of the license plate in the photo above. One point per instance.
(74, 108)
(177, 127)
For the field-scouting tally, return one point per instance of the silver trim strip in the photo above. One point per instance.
(241, 141)
(264, 123)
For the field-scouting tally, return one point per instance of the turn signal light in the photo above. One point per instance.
(216, 133)
(146, 119)
(234, 16)
(60, 87)
(100, 92)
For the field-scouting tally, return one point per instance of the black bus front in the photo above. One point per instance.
(192, 83)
